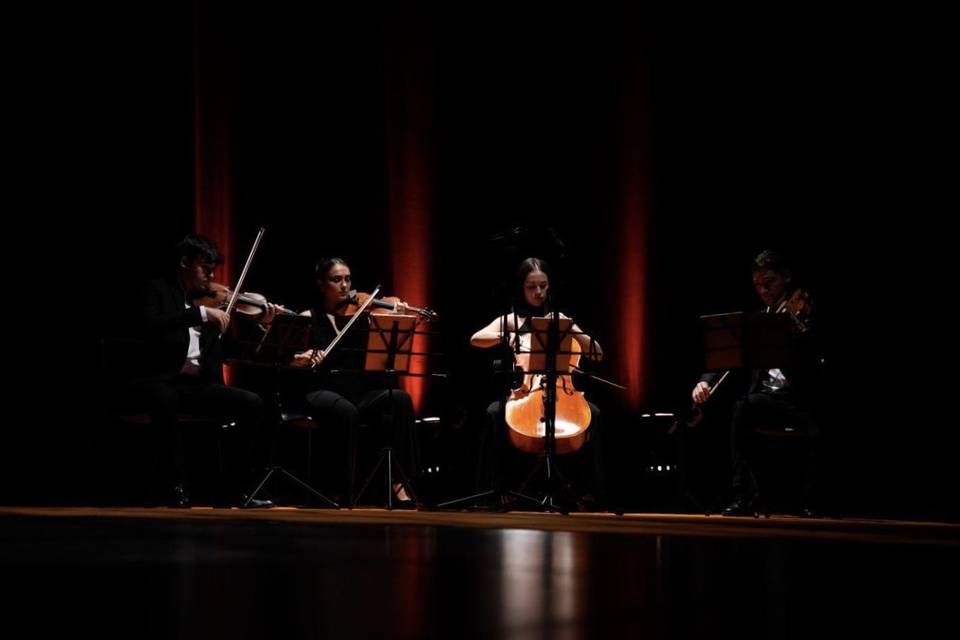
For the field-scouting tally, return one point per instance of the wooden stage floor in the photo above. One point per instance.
(312, 573)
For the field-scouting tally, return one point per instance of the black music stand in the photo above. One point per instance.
(389, 350)
(740, 340)
(286, 336)
(746, 340)
(550, 347)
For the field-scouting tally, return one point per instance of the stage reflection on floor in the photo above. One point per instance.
(257, 577)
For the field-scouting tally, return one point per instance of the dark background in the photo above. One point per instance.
(819, 135)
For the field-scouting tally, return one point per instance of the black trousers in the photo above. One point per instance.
(388, 415)
(777, 410)
(248, 445)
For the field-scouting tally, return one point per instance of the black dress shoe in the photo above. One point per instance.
(179, 498)
(255, 503)
(589, 503)
(741, 506)
(808, 511)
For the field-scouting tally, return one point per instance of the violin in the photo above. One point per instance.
(799, 306)
(355, 300)
(354, 306)
(250, 304)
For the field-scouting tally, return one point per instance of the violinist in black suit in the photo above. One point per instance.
(181, 364)
(785, 398)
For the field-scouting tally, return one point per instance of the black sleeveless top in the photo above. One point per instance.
(342, 369)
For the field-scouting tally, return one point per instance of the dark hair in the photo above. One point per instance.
(774, 261)
(195, 246)
(324, 265)
(528, 266)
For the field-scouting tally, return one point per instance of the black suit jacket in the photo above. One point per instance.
(803, 370)
(165, 323)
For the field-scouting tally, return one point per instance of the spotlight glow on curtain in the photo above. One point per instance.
(212, 152)
(410, 242)
(212, 161)
(632, 304)
(409, 183)
(633, 238)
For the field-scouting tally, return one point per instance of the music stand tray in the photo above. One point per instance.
(286, 336)
(539, 338)
(384, 352)
(746, 340)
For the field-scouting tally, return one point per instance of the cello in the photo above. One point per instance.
(525, 408)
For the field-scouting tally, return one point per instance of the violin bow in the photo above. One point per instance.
(243, 274)
(363, 307)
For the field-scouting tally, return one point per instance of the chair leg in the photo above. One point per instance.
(352, 438)
(310, 456)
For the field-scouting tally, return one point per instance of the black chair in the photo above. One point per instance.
(300, 421)
(784, 462)
(125, 438)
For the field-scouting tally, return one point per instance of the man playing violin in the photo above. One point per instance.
(180, 364)
(343, 397)
(779, 398)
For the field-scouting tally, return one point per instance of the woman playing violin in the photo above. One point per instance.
(348, 397)
(531, 299)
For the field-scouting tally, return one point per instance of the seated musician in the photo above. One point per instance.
(180, 368)
(773, 398)
(531, 299)
(342, 397)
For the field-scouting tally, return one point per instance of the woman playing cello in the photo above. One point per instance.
(532, 299)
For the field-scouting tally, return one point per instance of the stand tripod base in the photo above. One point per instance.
(277, 469)
(392, 466)
(556, 486)
(551, 500)
(472, 500)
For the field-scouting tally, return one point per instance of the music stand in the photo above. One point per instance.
(551, 344)
(389, 349)
(286, 336)
(746, 340)
(741, 340)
